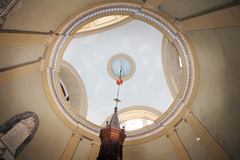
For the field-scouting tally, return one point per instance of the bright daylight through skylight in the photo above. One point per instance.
(90, 55)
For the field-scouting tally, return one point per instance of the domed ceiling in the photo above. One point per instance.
(90, 56)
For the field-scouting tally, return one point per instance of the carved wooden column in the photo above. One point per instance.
(72, 146)
(209, 141)
(94, 151)
(19, 72)
(177, 145)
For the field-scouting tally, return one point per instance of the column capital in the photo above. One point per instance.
(96, 143)
(150, 6)
(170, 131)
(179, 26)
(51, 38)
(79, 135)
(153, 4)
(43, 62)
(186, 115)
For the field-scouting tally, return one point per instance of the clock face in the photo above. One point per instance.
(121, 65)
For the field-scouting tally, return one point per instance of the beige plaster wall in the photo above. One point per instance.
(184, 8)
(11, 56)
(216, 104)
(26, 94)
(195, 149)
(217, 101)
(44, 15)
(160, 149)
(83, 150)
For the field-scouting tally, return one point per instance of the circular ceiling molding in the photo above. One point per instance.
(114, 66)
(65, 33)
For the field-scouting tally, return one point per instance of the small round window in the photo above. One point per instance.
(118, 62)
(121, 65)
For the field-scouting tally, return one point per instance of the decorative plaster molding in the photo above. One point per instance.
(189, 85)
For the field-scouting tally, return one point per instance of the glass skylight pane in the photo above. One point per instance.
(121, 63)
